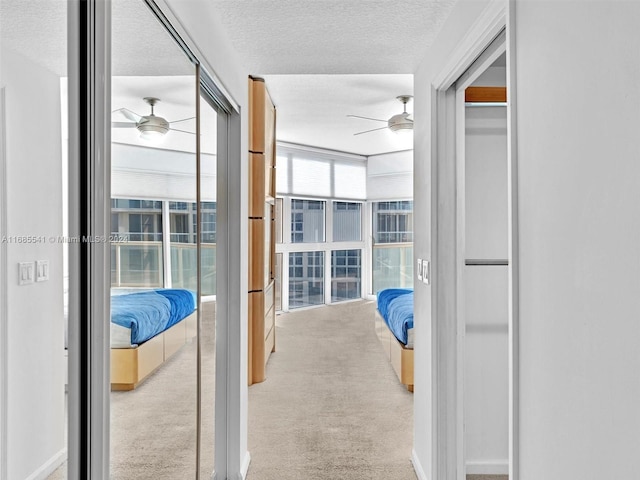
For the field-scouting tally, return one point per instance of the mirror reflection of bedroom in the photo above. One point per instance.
(162, 370)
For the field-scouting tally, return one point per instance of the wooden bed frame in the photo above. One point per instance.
(130, 366)
(400, 356)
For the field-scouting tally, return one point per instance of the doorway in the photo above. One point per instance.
(475, 302)
(482, 258)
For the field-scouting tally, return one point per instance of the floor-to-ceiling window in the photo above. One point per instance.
(320, 240)
(392, 250)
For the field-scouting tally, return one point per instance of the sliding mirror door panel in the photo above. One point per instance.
(154, 268)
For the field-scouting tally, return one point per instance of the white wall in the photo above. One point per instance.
(462, 17)
(390, 176)
(578, 115)
(36, 409)
(578, 68)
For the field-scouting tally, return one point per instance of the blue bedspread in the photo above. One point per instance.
(396, 308)
(387, 295)
(148, 313)
(400, 316)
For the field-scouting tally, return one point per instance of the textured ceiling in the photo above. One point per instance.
(322, 59)
(332, 36)
(312, 110)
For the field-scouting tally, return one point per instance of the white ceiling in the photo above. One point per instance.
(322, 59)
(312, 110)
(332, 36)
(325, 59)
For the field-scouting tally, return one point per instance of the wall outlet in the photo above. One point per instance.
(42, 270)
(26, 273)
(419, 269)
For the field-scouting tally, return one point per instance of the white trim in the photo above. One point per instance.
(514, 255)
(460, 314)
(49, 466)
(3, 291)
(245, 466)
(493, 467)
(417, 466)
(490, 23)
(448, 438)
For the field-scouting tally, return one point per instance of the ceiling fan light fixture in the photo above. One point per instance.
(152, 128)
(400, 123)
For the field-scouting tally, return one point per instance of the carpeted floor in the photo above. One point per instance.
(153, 428)
(331, 407)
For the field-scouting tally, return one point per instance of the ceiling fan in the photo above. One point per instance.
(397, 123)
(151, 127)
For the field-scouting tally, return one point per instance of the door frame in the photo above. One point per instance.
(3, 290)
(479, 66)
(447, 308)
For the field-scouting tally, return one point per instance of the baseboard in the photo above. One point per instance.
(50, 466)
(245, 466)
(491, 467)
(417, 466)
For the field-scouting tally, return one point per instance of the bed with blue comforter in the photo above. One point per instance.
(138, 316)
(147, 328)
(394, 328)
(396, 309)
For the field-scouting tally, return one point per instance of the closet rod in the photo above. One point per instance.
(485, 104)
(488, 262)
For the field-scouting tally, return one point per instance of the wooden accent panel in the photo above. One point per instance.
(485, 94)
(263, 119)
(256, 312)
(261, 335)
(257, 184)
(256, 253)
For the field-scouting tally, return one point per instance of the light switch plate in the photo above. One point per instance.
(426, 274)
(419, 269)
(42, 270)
(26, 273)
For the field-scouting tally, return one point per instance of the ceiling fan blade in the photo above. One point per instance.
(183, 120)
(181, 131)
(123, 125)
(367, 118)
(374, 130)
(131, 115)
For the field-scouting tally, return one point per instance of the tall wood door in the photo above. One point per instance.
(262, 332)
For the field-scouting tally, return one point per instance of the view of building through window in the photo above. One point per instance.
(392, 251)
(137, 258)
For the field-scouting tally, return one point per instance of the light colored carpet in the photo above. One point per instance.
(153, 428)
(331, 407)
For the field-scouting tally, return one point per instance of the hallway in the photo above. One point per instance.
(331, 407)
